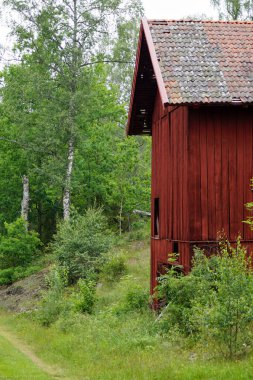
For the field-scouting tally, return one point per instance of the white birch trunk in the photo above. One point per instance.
(71, 121)
(66, 194)
(25, 200)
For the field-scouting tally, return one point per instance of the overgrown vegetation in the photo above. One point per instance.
(80, 242)
(18, 250)
(214, 302)
(122, 332)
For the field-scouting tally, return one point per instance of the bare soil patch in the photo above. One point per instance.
(24, 294)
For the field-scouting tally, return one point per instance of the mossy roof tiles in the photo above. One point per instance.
(203, 61)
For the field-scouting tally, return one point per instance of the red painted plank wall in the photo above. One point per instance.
(178, 176)
(169, 180)
(220, 168)
(169, 170)
(202, 163)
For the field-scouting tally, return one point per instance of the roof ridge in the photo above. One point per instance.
(200, 21)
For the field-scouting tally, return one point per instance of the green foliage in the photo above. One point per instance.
(61, 92)
(130, 182)
(79, 243)
(53, 302)
(126, 343)
(136, 298)
(85, 297)
(59, 301)
(6, 276)
(18, 247)
(249, 207)
(215, 300)
(114, 267)
(10, 275)
(140, 230)
(234, 9)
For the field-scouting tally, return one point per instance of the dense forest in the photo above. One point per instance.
(63, 114)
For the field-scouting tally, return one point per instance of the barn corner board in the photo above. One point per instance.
(193, 93)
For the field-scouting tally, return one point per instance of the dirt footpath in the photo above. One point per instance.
(53, 371)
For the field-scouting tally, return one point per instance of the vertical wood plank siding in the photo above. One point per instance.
(169, 181)
(220, 186)
(202, 164)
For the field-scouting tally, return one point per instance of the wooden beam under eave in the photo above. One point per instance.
(155, 63)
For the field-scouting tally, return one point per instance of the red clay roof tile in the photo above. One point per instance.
(205, 61)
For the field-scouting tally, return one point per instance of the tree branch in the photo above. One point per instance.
(25, 146)
(105, 61)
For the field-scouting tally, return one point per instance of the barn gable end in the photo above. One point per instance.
(193, 92)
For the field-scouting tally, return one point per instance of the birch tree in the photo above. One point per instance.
(234, 9)
(25, 199)
(64, 39)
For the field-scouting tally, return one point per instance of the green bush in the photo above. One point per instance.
(53, 302)
(136, 298)
(214, 301)
(85, 297)
(6, 276)
(80, 242)
(18, 247)
(114, 267)
(10, 275)
(178, 292)
(140, 230)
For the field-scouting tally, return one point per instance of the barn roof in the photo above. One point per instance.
(191, 62)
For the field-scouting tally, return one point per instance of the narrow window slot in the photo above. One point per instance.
(175, 247)
(156, 217)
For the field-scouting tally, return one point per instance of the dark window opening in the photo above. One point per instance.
(156, 217)
(175, 247)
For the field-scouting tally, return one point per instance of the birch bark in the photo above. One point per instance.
(67, 189)
(74, 67)
(25, 200)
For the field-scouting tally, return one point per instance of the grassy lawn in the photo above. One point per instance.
(106, 348)
(113, 344)
(15, 365)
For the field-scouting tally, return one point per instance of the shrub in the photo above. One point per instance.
(6, 276)
(53, 302)
(85, 297)
(18, 247)
(10, 275)
(136, 298)
(80, 242)
(114, 267)
(177, 291)
(215, 300)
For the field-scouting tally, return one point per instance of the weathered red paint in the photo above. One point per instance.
(201, 170)
(202, 164)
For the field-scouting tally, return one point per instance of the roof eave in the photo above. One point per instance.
(155, 63)
(144, 29)
(137, 60)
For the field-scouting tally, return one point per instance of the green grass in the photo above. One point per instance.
(115, 344)
(15, 365)
(124, 348)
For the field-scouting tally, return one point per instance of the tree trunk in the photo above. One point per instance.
(25, 200)
(120, 217)
(66, 194)
(72, 115)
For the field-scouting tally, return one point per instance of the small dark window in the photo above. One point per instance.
(156, 217)
(175, 247)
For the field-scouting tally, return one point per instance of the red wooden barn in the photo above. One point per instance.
(193, 93)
